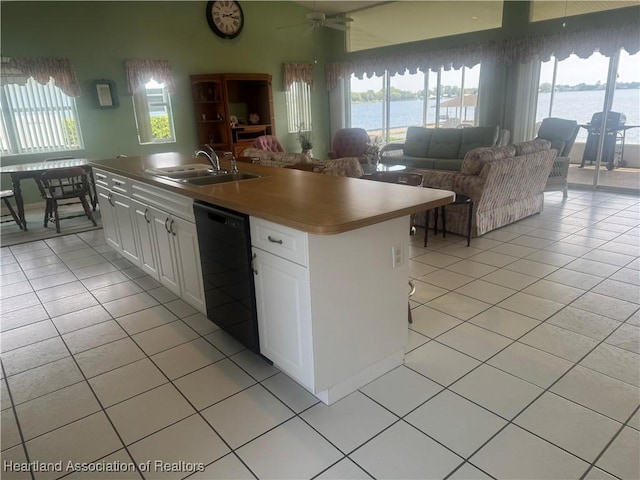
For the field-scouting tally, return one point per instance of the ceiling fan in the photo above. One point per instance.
(317, 19)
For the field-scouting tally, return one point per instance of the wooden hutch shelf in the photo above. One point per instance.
(218, 96)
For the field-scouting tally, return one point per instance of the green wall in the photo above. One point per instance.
(98, 36)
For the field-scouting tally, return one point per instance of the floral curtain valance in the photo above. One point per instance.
(606, 40)
(141, 72)
(298, 72)
(42, 70)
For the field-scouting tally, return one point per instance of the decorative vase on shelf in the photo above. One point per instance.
(307, 153)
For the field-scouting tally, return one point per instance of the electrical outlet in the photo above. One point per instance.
(396, 255)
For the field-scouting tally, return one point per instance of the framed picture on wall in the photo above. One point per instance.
(105, 93)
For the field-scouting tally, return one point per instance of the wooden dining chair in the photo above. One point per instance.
(93, 193)
(6, 195)
(62, 184)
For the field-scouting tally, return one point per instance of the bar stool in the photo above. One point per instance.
(460, 200)
(6, 195)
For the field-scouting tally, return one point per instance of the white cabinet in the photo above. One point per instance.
(116, 212)
(144, 230)
(108, 215)
(178, 265)
(284, 315)
(332, 309)
(155, 230)
(167, 266)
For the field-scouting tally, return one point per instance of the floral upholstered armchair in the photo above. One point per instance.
(350, 142)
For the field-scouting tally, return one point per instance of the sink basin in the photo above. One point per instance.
(182, 171)
(220, 178)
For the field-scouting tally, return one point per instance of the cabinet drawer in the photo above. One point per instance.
(170, 202)
(280, 240)
(120, 184)
(101, 177)
(116, 183)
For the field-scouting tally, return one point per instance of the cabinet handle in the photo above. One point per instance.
(166, 227)
(146, 213)
(274, 240)
(110, 198)
(173, 232)
(253, 257)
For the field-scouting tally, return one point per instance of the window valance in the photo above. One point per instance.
(17, 70)
(607, 40)
(141, 72)
(298, 72)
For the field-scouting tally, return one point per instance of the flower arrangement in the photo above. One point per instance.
(305, 137)
(372, 154)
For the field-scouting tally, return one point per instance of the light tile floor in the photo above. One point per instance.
(523, 361)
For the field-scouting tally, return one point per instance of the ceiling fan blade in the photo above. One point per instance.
(336, 26)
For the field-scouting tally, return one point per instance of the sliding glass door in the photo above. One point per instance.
(603, 95)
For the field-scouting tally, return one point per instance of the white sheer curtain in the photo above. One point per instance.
(521, 100)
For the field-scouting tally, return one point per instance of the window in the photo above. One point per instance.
(298, 100)
(386, 106)
(37, 119)
(154, 119)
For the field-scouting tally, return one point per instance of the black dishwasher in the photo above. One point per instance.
(225, 254)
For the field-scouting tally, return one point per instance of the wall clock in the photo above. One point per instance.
(225, 18)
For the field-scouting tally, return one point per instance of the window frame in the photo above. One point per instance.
(141, 109)
(50, 120)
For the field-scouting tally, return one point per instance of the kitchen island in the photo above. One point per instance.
(330, 259)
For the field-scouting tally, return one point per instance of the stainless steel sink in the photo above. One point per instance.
(182, 171)
(220, 178)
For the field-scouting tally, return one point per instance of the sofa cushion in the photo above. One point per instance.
(416, 143)
(418, 162)
(475, 159)
(447, 164)
(532, 146)
(477, 137)
(445, 143)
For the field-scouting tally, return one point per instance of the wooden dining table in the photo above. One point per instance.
(23, 171)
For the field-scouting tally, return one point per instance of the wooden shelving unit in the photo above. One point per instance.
(217, 97)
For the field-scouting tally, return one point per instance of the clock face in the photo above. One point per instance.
(225, 18)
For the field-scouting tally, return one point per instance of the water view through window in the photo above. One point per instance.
(387, 112)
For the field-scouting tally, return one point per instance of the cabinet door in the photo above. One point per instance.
(124, 219)
(284, 315)
(185, 240)
(144, 231)
(107, 213)
(167, 266)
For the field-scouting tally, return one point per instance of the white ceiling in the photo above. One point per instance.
(336, 6)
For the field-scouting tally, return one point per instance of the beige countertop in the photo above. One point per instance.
(311, 202)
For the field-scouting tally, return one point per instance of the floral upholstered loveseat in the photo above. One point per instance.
(505, 183)
(343, 167)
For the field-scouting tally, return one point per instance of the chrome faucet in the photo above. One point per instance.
(212, 157)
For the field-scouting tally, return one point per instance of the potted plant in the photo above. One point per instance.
(305, 137)
(372, 155)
